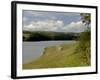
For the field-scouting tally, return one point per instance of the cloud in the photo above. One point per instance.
(75, 27)
(55, 25)
(46, 25)
(30, 16)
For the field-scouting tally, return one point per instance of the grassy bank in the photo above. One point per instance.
(64, 55)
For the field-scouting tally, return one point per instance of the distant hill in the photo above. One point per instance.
(48, 35)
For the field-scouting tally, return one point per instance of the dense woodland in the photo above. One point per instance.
(47, 35)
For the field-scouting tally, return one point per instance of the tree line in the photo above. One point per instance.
(45, 36)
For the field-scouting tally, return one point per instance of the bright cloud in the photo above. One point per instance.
(75, 27)
(48, 25)
(67, 17)
(55, 25)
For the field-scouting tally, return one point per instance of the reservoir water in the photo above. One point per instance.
(33, 50)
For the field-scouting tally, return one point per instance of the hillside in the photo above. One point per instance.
(48, 35)
(58, 56)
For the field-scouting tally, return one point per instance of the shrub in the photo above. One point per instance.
(84, 46)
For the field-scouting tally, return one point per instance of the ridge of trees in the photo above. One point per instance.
(47, 35)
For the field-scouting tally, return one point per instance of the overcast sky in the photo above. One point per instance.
(52, 21)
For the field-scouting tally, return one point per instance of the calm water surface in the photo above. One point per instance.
(33, 50)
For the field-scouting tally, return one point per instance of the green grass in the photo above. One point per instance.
(53, 57)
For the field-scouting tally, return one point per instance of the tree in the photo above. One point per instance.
(84, 39)
(86, 18)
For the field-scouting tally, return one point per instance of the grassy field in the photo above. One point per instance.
(64, 55)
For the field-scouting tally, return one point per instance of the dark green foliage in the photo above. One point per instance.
(45, 36)
(84, 46)
(86, 18)
(85, 36)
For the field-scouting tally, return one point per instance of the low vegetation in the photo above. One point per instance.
(58, 56)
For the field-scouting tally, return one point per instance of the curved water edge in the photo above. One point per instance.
(33, 50)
